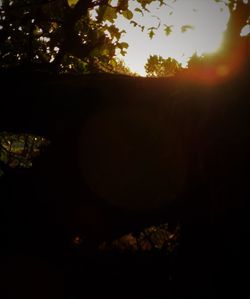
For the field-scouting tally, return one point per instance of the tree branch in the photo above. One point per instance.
(71, 42)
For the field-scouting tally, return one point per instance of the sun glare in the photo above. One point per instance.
(197, 26)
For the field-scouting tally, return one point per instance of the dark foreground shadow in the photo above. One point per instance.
(126, 153)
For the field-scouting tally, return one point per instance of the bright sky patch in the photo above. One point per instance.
(196, 26)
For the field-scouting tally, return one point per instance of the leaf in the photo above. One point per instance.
(184, 28)
(168, 30)
(127, 14)
(106, 13)
(144, 3)
(114, 32)
(151, 34)
(122, 4)
(123, 45)
(123, 53)
(134, 23)
(139, 10)
(72, 3)
(110, 14)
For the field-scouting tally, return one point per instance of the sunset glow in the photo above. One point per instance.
(197, 27)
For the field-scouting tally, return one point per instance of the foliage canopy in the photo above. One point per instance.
(62, 35)
(78, 35)
(157, 66)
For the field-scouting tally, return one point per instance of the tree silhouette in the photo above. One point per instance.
(157, 66)
(62, 34)
(233, 55)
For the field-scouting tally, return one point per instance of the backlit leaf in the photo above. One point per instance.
(106, 13)
(168, 30)
(184, 28)
(110, 14)
(127, 14)
(134, 23)
(139, 10)
(123, 45)
(151, 34)
(72, 3)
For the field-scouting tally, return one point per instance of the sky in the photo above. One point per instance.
(208, 20)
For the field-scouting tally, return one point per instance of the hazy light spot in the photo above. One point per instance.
(223, 70)
(44, 39)
(77, 240)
